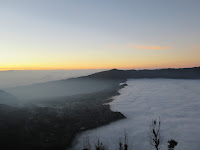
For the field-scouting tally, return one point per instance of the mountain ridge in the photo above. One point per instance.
(97, 82)
(170, 73)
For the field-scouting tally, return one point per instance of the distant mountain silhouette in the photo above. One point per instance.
(61, 88)
(182, 73)
(97, 82)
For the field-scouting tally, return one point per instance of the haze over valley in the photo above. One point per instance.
(99, 74)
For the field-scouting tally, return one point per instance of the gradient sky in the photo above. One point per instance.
(99, 34)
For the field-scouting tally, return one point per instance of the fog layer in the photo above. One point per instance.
(176, 102)
(25, 77)
(60, 88)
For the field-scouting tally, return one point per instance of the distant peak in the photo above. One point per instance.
(114, 69)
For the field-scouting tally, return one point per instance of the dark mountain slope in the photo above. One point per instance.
(183, 73)
(61, 88)
(97, 82)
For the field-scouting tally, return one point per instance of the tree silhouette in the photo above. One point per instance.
(99, 145)
(124, 146)
(172, 144)
(154, 133)
(154, 139)
(86, 143)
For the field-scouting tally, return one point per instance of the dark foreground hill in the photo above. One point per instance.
(52, 123)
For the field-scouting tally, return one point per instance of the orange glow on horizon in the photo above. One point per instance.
(152, 66)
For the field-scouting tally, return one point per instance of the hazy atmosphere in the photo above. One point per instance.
(15, 78)
(99, 74)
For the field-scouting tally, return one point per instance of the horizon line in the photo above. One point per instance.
(129, 68)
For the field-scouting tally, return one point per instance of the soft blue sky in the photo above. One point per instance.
(99, 34)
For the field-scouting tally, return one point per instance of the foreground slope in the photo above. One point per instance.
(54, 127)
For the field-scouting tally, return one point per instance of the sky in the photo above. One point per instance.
(94, 34)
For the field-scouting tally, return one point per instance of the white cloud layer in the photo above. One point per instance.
(177, 102)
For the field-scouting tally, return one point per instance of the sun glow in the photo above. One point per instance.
(70, 38)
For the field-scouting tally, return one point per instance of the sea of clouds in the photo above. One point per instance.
(176, 102)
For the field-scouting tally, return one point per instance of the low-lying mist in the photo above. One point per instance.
(176, 102)
(49, 115)
(8, 99)
(60, 88)
(32, 85)
(14, 78)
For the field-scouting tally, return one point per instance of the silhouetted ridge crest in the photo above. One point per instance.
(97, 82)
(171, 73)
(110, 74)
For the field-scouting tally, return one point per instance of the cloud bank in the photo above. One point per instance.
(175, 101)
(146, 47)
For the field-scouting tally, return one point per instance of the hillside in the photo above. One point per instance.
(6, 98)
(96, 82)
(61, 88)
(182, 73)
